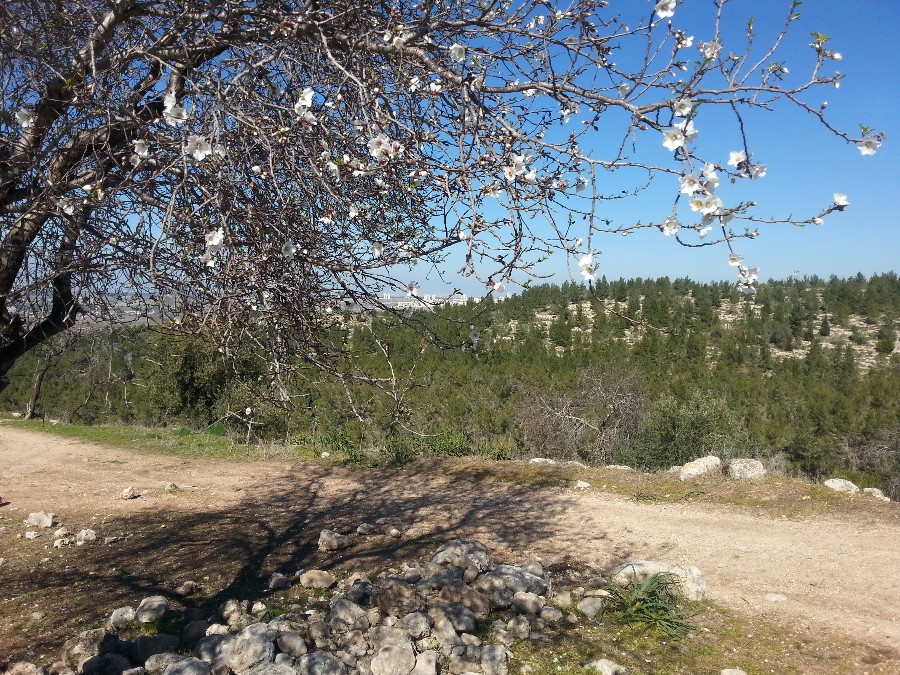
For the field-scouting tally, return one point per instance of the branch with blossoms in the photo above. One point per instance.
(253, 169)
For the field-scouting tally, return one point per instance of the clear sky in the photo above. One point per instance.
(806, 164)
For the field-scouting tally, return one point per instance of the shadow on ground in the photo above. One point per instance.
(231, 552)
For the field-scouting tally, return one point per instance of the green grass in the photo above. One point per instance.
(175, 442)
(651, 605)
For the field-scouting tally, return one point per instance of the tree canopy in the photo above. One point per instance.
(250, 167)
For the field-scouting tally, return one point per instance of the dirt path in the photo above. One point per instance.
(232, 523)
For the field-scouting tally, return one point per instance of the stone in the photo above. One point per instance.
(62, 532)
(394, 660)
(416, 624)
(745, 469)
(40, 519)
(360, 592)
(317, 579)
(217, 629)
(62, 543)
(465, 660)
(531, 603)
(157, 663)
(582, 485)
(733, 671)
(121, 617)
(86, 645)
(292, 644)
(494, 660)
(129, 493)
(463, 553)
(775, 597)
(456, 614)
(426, 663)
(195, 630)
(618, 467)
(207, 648)
(106, 664)
(187, 588)
(606, 667)
(468, 596)
(231, 610)
(244, 651)
(504, 581)
(841, 485)
(25, 668)
(31, 534)
(397, 598)
(542, 460)
(135, 671)
(590, 607)
(345, 615)
(170, 487)
(562, 599)
(151, 609)
(878, 494)
(189, 666)
(519, 627)
(551, 614)
(278, 581)
(691, 581)
(274, 668)
(700, 467)
(319, 663)
(85, 536)
(331, 540)
(147, 645)
(365, 528)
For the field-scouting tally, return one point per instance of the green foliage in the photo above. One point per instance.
(677, 432)
(651, 605)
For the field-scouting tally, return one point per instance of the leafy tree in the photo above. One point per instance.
(250, 167)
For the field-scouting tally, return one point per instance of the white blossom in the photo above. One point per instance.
(288, 250)
(758, 171)
(304, 103)
(735, 260)
(208, 259)
(683, 40)
(736, 157)
(173, 114)
(622, 88)
(670, 226)
(665, 8)
(377, 249)
(712, 178)
(690, 183)
(868, 146)
(353, 212)
(214, 239)
(581, 183)
(457, 52)
(679, 135)
(683, 107)
(711, 49)
(703, 231)
(25, 119)
(840, 199)
(412, 288)
(141, 148)
(706, 204)
(198, 147)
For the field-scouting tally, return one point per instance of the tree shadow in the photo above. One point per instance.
(230, 552)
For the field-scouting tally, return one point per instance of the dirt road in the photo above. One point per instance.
(231, 523)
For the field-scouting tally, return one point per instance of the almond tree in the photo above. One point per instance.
(249, 167)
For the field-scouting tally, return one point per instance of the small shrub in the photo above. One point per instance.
(398, 451)
(450, 444)
(651, 605)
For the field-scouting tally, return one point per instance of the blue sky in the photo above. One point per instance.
(806, 164)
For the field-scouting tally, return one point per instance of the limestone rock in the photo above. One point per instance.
(841, 485)
(86, 645)
(157, 663)
(494, 660)
(542, 460)
(190, 666)
(582, 485)
(319, 663)
(426, 663)
(590, 607)
(40, 519)
(147, 645)
(463, 553)
(878, 494)
(129, 493)
(317, 579)
(243, 652)
(121, 617)
(24, 668)
(606, 667)
(531, 603)
(85, 536)
(468, 596)
(330, 540)
(195, 630)
(292, 644)
(394, 660)
(397, 598)
(745, 469)
(152, 608)
(278, 581)
(31, 534)
(733, 671)
(692, 583)
(700, 467)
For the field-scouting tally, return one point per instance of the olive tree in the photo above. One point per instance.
(250, 167)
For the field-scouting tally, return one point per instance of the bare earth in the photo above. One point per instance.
(232, 523)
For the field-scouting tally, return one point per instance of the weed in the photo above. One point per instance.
(650, 605)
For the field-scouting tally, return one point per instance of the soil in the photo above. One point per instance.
(830, 582)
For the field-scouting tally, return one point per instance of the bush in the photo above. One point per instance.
(650, 605)
(675, 432)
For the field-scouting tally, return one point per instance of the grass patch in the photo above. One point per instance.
(651, 605)
(175, 442)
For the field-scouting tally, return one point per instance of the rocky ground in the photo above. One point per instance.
(830, 577)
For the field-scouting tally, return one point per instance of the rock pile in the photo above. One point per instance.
(456, 613)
